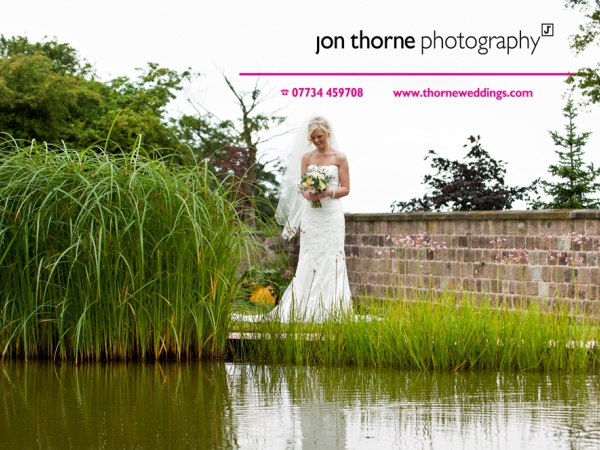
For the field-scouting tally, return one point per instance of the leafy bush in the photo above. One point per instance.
(475, 184)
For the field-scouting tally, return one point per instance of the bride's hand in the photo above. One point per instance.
(313, 197)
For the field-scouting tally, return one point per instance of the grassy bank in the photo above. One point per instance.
(109, 257)
(113, 256)
(449, 333)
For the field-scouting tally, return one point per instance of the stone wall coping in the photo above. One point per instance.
(546, 214)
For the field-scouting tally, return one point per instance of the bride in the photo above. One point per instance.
(320, 290)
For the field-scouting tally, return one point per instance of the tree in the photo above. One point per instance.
(477, 184)
(37, 102)
(587, 79)
(65, 59)
(223, 141)
(143, 103)
(578, 179)
(48, 93)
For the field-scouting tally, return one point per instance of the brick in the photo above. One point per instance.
(486, 286)
(459, 266)
(380, 227)
(556, 274)
(441, 255)
(509, 243)
(452, 242)
(530, 242)
(531, 288)
(474, 227)
(468, 255)
(571, 275)
(519, 271)
(350, 226)
(374, 241)
(546, 273)
(460, 227)
(533, 227)
(552, 227)
(480, 242)
(585, 276)
(366, 227)
(577, 225)
(352, 252)
(519, 242)
(566, 227)
(511, 227)
(534, 258)
(562, 290)
(469, 284)
(448, 227)
(592, 227)
(487, 228)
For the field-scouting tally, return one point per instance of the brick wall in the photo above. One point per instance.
(499, 254)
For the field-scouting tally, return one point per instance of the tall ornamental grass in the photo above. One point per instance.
(113, 257)
(452, 332)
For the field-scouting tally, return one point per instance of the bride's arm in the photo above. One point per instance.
(303, 169)
(344, 175)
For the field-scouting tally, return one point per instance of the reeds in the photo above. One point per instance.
(453, 332)
(113, 256)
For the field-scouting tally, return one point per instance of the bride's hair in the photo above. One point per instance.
(319, 122)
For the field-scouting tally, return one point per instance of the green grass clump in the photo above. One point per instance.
(450, 333)
(113, 256)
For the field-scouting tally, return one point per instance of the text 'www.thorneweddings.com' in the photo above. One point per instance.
(464, 93)
(353, 92)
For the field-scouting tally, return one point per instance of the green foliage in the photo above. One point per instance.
(448, 333)
(267, 272)
(48, 94)
(65, 59)
(578, 180)
(37, 102)
(587, 79)
(114, 256)
(475, 184)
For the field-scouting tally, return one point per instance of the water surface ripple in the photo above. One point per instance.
(249, 406)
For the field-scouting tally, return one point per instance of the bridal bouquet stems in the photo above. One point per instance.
(315, 181)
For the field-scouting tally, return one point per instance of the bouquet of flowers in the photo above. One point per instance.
(315, 181)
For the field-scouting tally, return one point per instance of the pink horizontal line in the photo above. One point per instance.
(405, 74)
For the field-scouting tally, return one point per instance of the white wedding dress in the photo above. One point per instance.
(320, 290)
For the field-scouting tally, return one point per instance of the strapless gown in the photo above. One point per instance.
(319, 290)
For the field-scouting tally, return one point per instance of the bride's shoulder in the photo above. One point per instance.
(306, 158)
(340, 158)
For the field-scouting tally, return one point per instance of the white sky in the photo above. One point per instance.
(385, 138)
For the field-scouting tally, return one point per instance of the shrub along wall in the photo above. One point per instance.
(504, 255)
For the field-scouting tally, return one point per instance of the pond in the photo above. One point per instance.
(249, 406)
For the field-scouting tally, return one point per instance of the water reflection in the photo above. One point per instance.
(227, 406)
